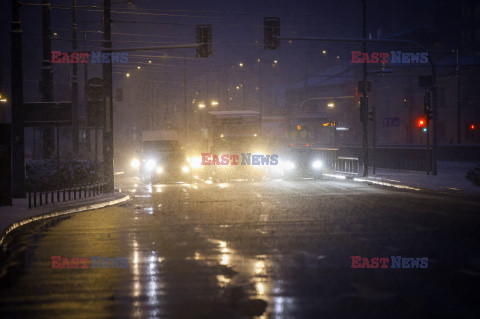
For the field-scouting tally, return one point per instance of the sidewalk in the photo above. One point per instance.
(450, 178)
(19, 214)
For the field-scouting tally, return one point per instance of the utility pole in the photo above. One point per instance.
(75, 120)
(459, 104)
(244, 88)
(18, 142)
(108, 101)
(85, 78)
(261, 85)
(185, 94)
(374, 139)
(364, 95)
(47, 75)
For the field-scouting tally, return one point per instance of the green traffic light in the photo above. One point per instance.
(424, 130)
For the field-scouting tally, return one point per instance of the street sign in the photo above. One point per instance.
(47, 114)
(94, 89)
(5, 165)
(391, 122)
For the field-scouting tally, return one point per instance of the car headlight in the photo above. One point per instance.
(289, 165)
(135, 163)
(317, 164)
(196, 162)
(159, 170)
(150, 164)
(186, 169)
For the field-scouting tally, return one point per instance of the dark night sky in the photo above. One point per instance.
(237, 36)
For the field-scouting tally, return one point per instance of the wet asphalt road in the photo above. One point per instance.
(275, 249)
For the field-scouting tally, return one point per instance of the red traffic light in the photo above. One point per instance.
(421, 123)
(472, 127)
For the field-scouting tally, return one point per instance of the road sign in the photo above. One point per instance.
(5, 164)
(47, 114)
(391, 122)
(94, 89)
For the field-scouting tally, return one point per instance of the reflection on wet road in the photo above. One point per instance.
(224, 250)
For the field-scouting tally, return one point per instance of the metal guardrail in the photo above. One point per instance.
(347, 165)
(40, 198)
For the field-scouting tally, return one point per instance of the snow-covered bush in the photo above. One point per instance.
(473, 175)
(56, 174)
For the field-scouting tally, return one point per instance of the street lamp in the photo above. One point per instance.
(201, 105)
(127, 75)
(214, 103)
(331, 105)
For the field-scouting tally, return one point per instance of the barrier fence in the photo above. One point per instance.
(40, 198)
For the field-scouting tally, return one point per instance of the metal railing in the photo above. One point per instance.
(40, 198)
(347, 165)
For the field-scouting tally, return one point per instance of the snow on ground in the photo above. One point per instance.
(450, 177)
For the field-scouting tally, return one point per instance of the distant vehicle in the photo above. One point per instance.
(301, 162)
(235, 132)
(162, 158)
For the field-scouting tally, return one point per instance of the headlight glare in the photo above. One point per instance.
(150, 164)
(135, 163)
(317, 164)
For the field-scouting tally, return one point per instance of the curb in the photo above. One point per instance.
(385, 183)
(59, 213)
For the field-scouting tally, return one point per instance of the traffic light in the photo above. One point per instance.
(426, 105)
(271, 30)
(472, 131)
(204, 40)
(422, 124)
(363, 105)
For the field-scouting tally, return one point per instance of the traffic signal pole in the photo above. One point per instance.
(108, 101)
(75, 111)
(47, 76)
(18, 138)
(364, 108)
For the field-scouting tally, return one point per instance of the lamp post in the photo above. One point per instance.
(333, 124)
(241, 65)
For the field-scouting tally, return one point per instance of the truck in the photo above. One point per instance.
(235, 133)
(162, 158)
